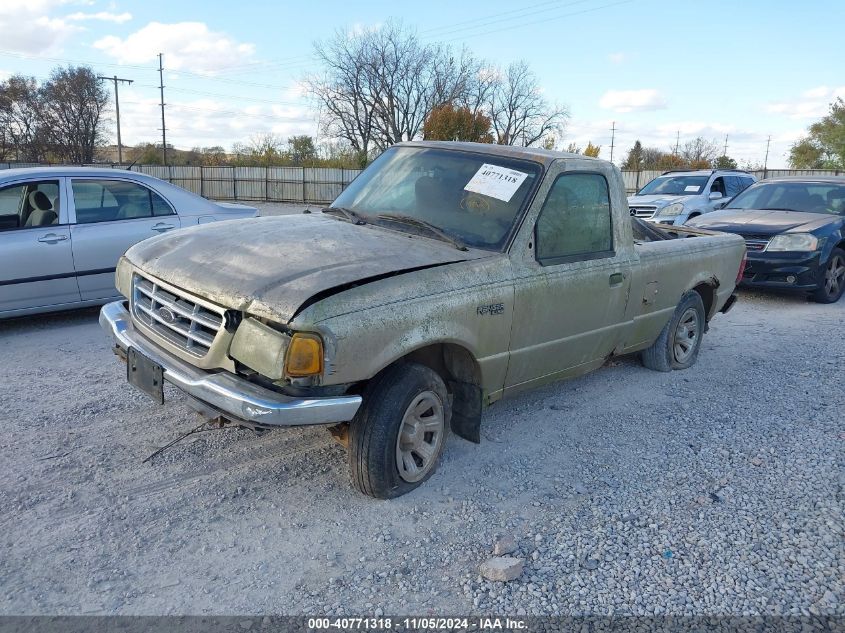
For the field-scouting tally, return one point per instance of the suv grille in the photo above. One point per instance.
(642, 212)
(756, 242)
(175, 317)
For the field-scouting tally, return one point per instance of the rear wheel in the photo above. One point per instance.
(397, 436)
(833, 278)
(678, 343)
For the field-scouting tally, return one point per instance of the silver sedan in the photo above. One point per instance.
(62, 230)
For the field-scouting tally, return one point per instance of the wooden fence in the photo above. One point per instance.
(321, 185)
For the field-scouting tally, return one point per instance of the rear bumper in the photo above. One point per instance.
(788, 271)
(222, 391)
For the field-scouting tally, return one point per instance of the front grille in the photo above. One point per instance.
(642, 212)
(756, 242)
(175, 317)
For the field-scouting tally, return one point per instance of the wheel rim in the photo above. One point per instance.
(420, 436)
(686, 335)
(834, 276)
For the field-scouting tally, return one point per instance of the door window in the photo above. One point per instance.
(108, 200)
(718, 185)
(575, 221)
(29, 205)
(734, 186)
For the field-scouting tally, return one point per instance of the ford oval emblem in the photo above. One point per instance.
(166, 315)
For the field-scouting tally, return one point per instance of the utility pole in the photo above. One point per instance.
(612, 139)
(725, 151)
(766, 160)
(677, 142)
(163, 128)
(117, 79)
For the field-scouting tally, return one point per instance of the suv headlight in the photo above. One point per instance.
(676, 208)
(793, 242)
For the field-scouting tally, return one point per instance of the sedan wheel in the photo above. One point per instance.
(833, 279)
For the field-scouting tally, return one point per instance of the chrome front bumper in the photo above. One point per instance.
(231, 395)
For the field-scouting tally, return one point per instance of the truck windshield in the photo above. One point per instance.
(475, 198)
(674, 186)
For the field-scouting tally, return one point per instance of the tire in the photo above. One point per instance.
(832, 282)
(679, 341)
(397, 436)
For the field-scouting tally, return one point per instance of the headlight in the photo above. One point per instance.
(123, 277)
(305, 355)
(676, 208)
(793, 242)
(260, 347)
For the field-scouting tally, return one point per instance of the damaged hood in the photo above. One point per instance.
(270, 266)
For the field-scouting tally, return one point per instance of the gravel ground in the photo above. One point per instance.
(717, 490)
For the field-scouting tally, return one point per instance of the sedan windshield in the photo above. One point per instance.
(474, 198)
(809, 197)
(674, 186)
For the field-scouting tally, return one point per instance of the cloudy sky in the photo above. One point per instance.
(656, 68)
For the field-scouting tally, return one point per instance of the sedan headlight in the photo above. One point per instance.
(803, 242)
(676, 208)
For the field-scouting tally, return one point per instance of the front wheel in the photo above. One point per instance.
(833, 278)
(397, 436)
(679, 341)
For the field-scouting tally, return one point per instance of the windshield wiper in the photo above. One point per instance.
(780, 209)
(349, 214)
(438, 233)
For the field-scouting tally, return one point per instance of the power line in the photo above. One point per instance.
(550, 19)
(223, 96)
(476, 24)
(117, 79)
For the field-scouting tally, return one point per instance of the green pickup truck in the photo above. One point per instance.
(445, 277)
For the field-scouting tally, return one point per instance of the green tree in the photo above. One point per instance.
(824, 145)
(634, 160)
(573, 148)
(448, 123)
(301, 149)
(724, 162)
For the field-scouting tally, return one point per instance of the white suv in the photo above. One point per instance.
(679, 195)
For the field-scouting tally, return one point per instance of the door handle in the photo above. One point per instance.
(52, 238)
(616, 279)
(161, 227)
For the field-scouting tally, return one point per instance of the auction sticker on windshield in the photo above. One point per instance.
(496, 182)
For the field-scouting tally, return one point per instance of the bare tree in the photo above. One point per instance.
(699, 152)
(379, 86)
(519, 111)
(74, 104)
(22, 127)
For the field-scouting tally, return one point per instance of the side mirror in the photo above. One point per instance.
(715, 195)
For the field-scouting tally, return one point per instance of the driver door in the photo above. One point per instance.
(571, 284)
(36, 264)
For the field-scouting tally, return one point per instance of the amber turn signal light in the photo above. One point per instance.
(305, 356)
